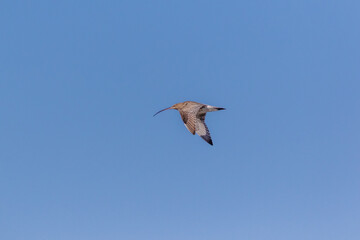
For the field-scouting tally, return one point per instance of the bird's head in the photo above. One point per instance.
(178, 105)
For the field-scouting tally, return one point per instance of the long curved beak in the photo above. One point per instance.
(162, 110)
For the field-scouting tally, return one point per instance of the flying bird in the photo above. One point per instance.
(193, 115)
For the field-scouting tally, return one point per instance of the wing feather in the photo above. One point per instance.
(202, 130)
(189, 120)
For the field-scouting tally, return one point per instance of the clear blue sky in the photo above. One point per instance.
(81, 156)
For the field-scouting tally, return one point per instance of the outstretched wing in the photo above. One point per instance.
(189, 120)
(201, 129)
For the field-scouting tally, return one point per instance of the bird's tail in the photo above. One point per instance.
(213, 109)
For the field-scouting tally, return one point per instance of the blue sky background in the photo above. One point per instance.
(81, 156)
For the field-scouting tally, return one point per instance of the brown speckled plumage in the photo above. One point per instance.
(193, 116)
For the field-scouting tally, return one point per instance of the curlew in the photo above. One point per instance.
(193, 115)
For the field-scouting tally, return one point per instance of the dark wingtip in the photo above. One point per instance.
(207, 139)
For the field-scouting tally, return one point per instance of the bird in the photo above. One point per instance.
(193, 116)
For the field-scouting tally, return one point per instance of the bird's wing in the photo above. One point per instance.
(189, 119)
(201, 128)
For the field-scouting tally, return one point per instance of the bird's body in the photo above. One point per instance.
(193, 116)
